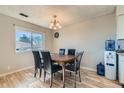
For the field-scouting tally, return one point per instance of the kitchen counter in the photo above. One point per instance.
(120, 54)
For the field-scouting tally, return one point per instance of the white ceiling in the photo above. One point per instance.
(68, 14)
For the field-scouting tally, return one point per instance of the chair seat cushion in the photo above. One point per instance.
(70, 67)
(55, 68)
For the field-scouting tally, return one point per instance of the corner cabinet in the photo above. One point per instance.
(120, 22)
(120, 10)
(120, 27)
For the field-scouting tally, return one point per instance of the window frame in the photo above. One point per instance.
(25, 29)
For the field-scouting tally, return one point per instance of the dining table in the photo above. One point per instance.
(62, 60)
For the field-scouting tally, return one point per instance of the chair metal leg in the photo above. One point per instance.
(79, 76)
(40, 72)
(35, 72)
(76, 72)
(51, 80)
(44, 75)
(75, 80)
(70, 74)
(54, 74)
(61, 76)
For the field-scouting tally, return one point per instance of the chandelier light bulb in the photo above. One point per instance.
(59, 26)
(51, 24)
(54, 28)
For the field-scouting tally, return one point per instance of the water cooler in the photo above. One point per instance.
(110, 60)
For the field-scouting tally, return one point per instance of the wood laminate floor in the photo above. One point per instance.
(25, 79)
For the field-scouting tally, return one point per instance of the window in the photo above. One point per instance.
(37, 41)
(27, 40)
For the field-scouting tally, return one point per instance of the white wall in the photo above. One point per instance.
(89, 36)
(8, 57)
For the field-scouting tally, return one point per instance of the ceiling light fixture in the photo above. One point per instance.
(55, 23)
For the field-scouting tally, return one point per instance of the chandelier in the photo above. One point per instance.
(55, 23)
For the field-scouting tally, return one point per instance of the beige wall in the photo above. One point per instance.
(89, 36)
(8, 57)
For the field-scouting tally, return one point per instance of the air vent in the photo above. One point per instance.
(22, 14)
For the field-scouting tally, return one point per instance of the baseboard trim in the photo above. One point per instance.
(87, 68)
(18, 70)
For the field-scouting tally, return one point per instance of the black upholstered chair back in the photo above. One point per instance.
(37, 59)
(47, 61)
(71, 51)
(78, 59)
(61, 51)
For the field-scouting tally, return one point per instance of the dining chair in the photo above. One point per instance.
(61, 51)
(38, 62)
(75, 67)
(49, 66)
(71, 52)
